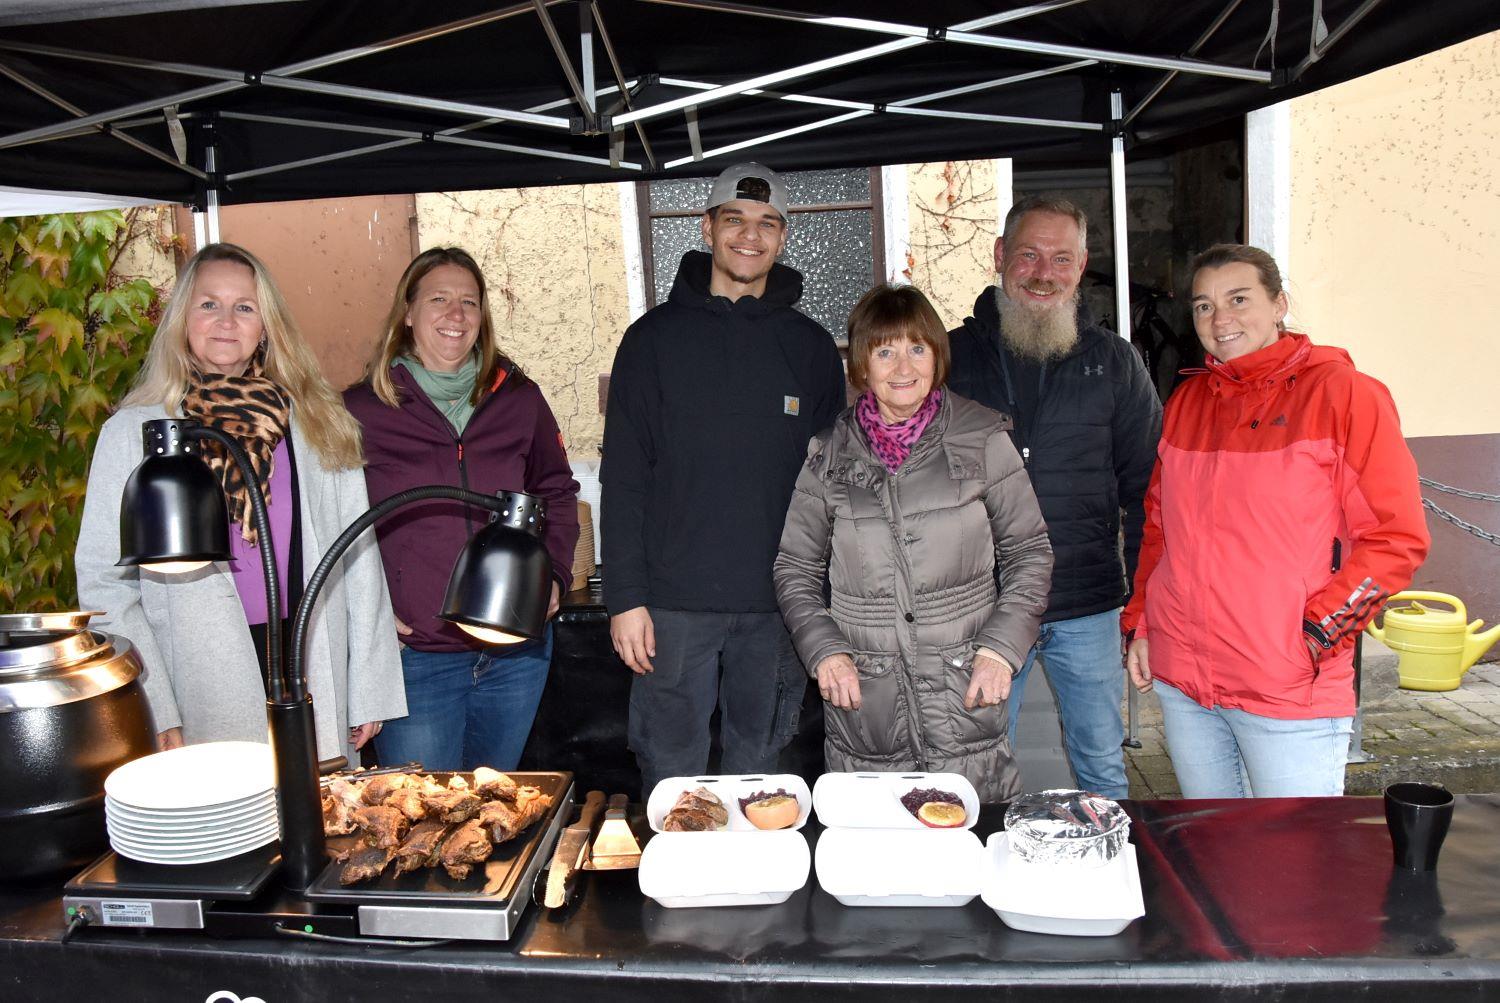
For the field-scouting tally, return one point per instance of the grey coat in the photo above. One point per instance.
(912, 559)
(190, 630)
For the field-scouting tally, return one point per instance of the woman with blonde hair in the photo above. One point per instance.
(228, 354)
(443, 405)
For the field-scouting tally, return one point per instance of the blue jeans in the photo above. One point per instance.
(1082, 660)
(467, 708)
(744, 664)
(1221, 752)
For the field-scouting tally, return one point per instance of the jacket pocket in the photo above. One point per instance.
(881, 728)
(980, 725)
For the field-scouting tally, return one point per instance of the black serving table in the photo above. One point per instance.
(1274, 899)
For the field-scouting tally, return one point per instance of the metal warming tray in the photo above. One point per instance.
(428, 903)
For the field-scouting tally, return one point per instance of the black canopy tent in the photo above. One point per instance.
(217, 101)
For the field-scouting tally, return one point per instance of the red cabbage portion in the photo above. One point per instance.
(762, 795)
(915, 798)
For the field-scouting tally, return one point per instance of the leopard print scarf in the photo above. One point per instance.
(257, 413)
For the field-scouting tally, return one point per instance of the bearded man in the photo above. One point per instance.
(1086, 423)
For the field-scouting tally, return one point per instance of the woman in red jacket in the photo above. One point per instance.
(443, 405)
(1283, 511)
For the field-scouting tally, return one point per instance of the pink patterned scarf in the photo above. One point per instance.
(892, 443)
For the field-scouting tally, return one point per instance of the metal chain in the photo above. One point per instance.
(1467, 527)
(1428, 482)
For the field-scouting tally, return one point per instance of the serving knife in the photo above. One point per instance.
(567, 857)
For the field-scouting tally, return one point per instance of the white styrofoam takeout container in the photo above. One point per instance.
(1065, 899)
(869, 800)
(684, 870)
(899, 867)
(729, 789)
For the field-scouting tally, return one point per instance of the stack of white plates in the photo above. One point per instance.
(193, 805)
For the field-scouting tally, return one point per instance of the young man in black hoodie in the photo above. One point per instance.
(1086, 423)
(713, 397)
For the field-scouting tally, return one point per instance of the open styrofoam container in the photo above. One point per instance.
(729, 789)
(873, 800)
(683, 870)
(899, 867)
(1064, 899)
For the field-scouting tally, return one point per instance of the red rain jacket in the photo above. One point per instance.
(1284, 505)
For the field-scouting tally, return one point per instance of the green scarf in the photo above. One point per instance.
(449, 392)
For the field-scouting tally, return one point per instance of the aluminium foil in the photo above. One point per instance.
(1066, 827)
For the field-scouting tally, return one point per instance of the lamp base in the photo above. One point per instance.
(299, 798)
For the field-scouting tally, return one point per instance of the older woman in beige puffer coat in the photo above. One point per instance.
(908, 505)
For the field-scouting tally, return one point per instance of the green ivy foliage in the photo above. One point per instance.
(72, 336)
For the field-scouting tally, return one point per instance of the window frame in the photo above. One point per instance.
(875, 205)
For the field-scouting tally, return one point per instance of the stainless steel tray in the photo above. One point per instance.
(506, 876)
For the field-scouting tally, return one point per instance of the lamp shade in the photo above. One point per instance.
(172, 509)
(502, 580)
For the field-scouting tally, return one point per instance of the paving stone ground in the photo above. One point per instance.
(1451, 738)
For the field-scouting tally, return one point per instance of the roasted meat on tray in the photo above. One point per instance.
(382, 825)
(418, 822)
(420, 847)
(464, 847)
(364, 863)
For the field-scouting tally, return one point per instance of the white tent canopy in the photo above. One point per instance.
(34, 202)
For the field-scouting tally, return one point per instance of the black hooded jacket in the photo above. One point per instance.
(1087, 427)
(711, 406)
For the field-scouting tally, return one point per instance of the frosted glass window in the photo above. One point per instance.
(833, 239)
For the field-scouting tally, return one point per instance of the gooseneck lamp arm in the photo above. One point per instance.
(500, 583)
(302, 842)
(262, 522)
(297, 680)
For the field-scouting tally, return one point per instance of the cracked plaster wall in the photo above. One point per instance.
(553, 262)
(556, 278)
(1395, 250)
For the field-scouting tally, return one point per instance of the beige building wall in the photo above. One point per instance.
(1395, 245)
(555, 272)
(149, 250)
(951, 211)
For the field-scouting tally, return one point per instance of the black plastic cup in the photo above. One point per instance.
(1418, 816)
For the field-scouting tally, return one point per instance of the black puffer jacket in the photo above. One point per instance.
(1089, 441)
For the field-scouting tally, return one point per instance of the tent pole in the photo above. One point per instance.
(210, 165)
(1317, 51)
(77, 112)
(962, 36)
(808, 69)
(1122, 307)
(1166, 80)
(585, 98)
(233, 81)
(625, 97)
(586, 54)
(1117, 209)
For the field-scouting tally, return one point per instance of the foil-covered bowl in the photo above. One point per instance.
(1066, 827)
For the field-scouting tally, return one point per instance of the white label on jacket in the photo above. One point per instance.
(791, 406)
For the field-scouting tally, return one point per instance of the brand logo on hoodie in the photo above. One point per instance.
(1280, 420)
(1094, 370)
(791, 406)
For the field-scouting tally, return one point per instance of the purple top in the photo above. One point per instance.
(244, 560)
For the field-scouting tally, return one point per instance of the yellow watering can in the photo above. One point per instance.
(1435, 645)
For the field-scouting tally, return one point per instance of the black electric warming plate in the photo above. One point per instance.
(504, 878)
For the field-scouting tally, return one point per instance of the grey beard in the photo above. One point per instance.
(1041, 335)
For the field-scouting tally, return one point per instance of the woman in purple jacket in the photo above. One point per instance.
(441, 404)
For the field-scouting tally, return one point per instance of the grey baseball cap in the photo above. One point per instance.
(751, 182)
